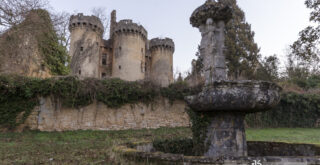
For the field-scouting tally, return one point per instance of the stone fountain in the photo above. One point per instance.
(225, 102)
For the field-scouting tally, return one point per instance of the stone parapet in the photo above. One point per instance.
(127, 26)
(166, 43)
(91, 22)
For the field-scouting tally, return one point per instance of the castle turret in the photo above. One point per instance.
(161, 61)
(129, 48)
(86, 38)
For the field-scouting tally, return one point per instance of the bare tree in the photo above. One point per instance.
(61, 24)
(13, 12)
(101, 13)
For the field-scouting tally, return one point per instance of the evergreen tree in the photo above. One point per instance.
(268, 70)
(242, 53)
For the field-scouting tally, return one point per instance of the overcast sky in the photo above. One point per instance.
(276, 23)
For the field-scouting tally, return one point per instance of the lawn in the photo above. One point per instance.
(95, 147)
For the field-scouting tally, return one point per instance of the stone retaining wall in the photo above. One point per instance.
(51, 116)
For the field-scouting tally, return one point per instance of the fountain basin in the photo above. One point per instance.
(236, 96)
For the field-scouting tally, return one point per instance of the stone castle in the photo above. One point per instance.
(127, 54)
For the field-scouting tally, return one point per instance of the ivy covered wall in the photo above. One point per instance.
(19, 95)
(294, 110)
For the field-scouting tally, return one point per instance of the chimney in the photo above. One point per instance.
(113, 22)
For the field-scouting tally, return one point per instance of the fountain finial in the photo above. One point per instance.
(211, 9)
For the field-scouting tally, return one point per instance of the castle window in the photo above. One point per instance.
(104, 59)
(119, 67)
(142, 67)
(81, 48)
(79, 72)
(141, 50)
(42, 67)
(120, 48)
(103, 75)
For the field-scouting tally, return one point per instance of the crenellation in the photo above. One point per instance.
(128, 26)
(127, 54)
(166, 43)
(90, 22)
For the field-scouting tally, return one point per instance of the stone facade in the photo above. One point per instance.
(86, 37)
(51, 116)
(161, 68)
(127, 54)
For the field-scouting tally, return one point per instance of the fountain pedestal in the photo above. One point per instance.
(226, 135)
(225, 103)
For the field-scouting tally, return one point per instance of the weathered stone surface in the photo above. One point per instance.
(20, 52)
(86, 37)
(145, 153)
(211, 9)
(211, 49)
(239, 96)
(163, 43)
(226, 135)
(51, 116)
(225, 102)
(82, 21)
(129, 56)
(161, 65)
(128, 26)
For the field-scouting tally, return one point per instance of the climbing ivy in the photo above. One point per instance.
(179, 90)
(55, 55)
(19, 95)
(200, 123)
(294, 110)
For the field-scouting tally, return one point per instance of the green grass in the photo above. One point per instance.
(95, 147)
(289, 135)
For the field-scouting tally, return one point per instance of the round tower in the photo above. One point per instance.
(129, 47)
(86, 38)
(161, 61)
